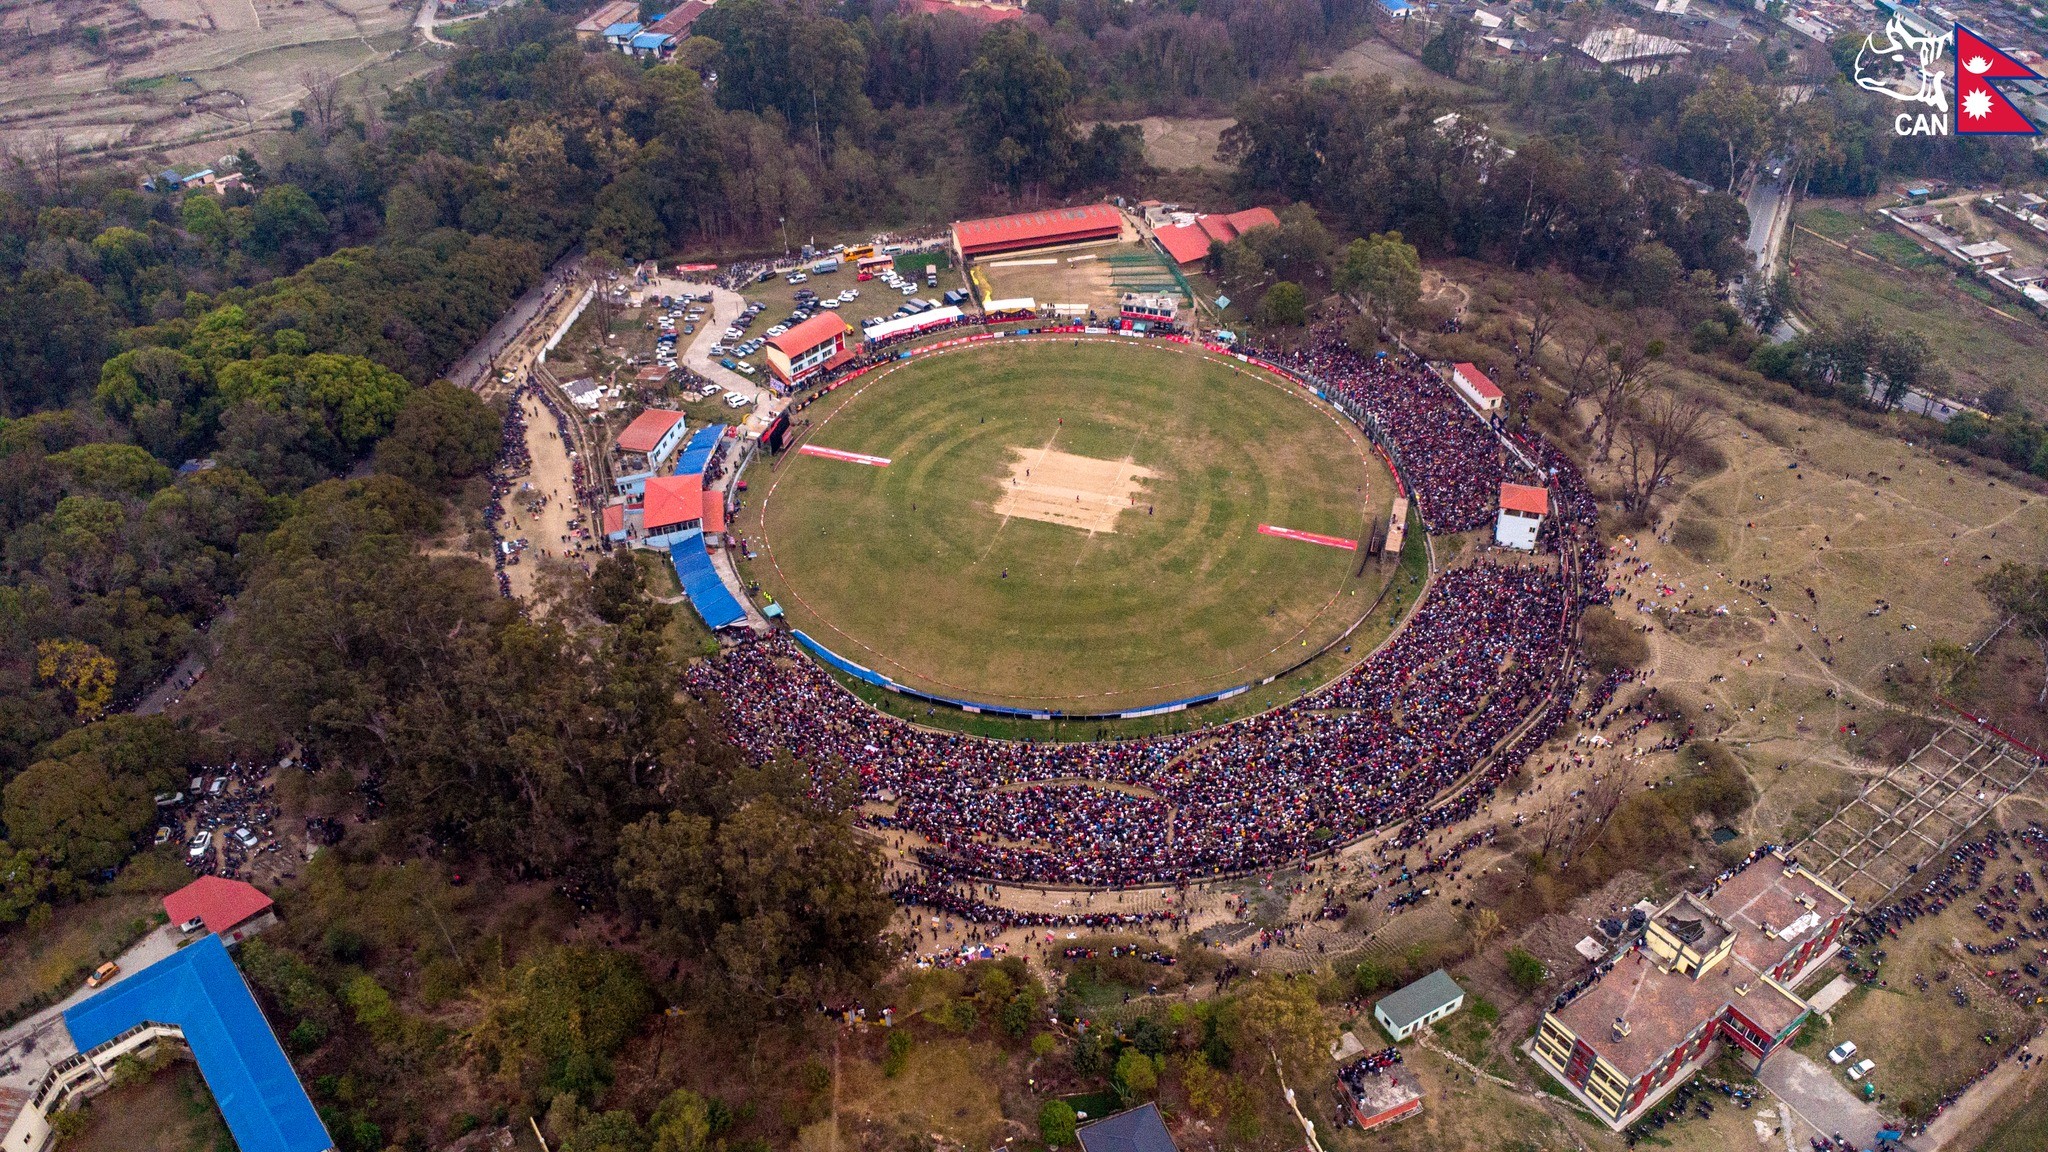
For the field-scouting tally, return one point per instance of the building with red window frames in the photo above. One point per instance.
(1713, 968)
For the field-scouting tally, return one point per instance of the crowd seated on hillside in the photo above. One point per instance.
(1484, 657)
(1450, 458)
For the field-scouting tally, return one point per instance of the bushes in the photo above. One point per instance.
(1056, 1124)
(1525, 969)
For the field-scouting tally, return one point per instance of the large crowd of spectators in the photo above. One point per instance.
(1452, 461)
(1476, 680)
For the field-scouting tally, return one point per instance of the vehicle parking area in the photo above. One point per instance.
(780, 302)
(225, 819)
(1950, 974)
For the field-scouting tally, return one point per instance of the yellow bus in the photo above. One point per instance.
(858, 252)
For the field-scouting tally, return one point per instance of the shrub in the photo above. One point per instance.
(896, 1053)
(1525, 969)
(1056, 1123)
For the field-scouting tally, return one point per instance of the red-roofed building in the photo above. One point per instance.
(714, 514)
(1479, 391)
(1184, 244)
(808, 348)
(1028, 230)
(1187, 244)
(615, 521)
(645, 448)
(674, 509)
(677, 22)
(1522, 509)
(233, 910)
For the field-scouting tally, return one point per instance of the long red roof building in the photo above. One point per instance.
(1027, 230)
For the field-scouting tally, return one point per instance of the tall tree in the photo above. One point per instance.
(2020, 593)
(1015, 101)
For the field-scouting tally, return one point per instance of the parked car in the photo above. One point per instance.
(736, 400)
(708, 390)
(102, 974)
(728, 363)
(1842, 1051)
(169, 799)
(747, 368)
(219, 782)
(1861, 1068)
(246, 838)
(163, 835)
(200, 844)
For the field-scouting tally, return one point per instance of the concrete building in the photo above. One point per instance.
(1522, 509)
(1713, 967)
(673, 509)
(1634, 54)
(644, 448)
(1477, 388)
(1419, 1005)
(193, 1000)
(807, 349)
(233, 910)
(1026, 231)
(592, 27)
(1141, 1129)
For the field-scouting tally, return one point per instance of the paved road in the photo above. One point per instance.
(469, 371)
(1820, 1096)
(726, 307)
(425, 23)
(1769, 207)
(40, 1040)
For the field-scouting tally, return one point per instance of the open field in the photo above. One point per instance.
(911, 568)
(1174, 143)
(1844, 268)
(1373, 56)
(171, 1111)
(76, 939)
(187, 79)
(1095, 275)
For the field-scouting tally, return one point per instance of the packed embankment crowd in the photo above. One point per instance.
(1487, 652)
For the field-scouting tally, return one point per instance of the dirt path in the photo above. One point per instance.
(542, 513)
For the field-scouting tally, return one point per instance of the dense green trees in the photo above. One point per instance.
(443, 434)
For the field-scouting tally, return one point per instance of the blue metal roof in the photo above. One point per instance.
(199, 989)
(650, 39)
(622, 30)
(707, 593)
(697, 453)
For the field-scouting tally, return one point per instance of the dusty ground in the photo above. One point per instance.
(1077, 491)
(1175, 143)
(188, 79)
(541, 513)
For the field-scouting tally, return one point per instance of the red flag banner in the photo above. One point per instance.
(1980, 108)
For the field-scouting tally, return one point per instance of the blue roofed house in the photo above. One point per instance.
(620, 35)
(195, 997)
(1141, 1129)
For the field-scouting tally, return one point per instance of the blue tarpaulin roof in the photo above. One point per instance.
(697, 453)
(707, 593)
(198, 989)
(1397, 7)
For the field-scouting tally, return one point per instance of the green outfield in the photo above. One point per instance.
(1119, 484)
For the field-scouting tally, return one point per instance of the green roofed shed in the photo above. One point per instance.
(1422, 1003)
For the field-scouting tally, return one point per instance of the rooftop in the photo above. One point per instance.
(1479, 381)
(1663, 1008)
(1049, 225)
(1614, 45)
(1139, 1130)
(1774, 910)
(217, 902)
(199, 990)
(1525, 498)
(673, 500)
(808, 335)
(647, 429)
(1420, 998)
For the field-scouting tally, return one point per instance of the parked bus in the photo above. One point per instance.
(868, 267)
